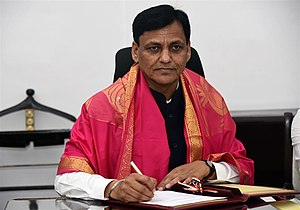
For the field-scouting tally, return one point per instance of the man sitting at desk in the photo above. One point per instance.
(162, 116)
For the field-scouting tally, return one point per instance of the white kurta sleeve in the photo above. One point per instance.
(226, 171)
(81, 185)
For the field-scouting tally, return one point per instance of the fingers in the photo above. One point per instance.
(152, 184)
(137, 193)
(135, 188)
(177, 174)
(184, 174)
(188, 180)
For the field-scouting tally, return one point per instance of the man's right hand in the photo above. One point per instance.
(135, 188)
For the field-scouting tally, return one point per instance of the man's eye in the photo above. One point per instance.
(153, 48)
(176, 47)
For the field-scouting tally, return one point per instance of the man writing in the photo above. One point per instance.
(167, 119)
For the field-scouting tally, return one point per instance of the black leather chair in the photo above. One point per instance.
(267, 139)
(124, 61)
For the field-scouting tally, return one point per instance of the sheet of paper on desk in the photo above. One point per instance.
(172, 198)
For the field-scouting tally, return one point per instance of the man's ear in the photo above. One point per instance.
(134, 52)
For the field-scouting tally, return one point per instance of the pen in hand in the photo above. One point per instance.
(136, 168)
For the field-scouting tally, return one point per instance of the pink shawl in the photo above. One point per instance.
(123, 123)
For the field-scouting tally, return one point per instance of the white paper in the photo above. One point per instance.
(172, 198)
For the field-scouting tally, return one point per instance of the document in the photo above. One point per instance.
(172, 198)
(259, 191)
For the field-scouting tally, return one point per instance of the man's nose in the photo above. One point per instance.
(165, 56)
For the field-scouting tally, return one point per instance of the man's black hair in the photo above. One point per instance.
(158, 17)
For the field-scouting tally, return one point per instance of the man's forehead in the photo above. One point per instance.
(171, 33)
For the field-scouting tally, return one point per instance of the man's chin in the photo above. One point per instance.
(166, 81)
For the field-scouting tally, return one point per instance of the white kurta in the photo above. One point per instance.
(295, 133)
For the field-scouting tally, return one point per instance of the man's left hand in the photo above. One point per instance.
(185, 173)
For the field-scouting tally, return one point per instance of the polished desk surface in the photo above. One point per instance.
(61, 203)
(10, 194)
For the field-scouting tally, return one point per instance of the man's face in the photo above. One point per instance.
(162, 55)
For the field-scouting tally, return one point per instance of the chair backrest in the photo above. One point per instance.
(123, 62)
(267, 140)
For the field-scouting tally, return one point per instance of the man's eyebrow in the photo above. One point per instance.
(159, 43)
(177, 41)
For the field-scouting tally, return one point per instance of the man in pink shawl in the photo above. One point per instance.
(165, 118)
